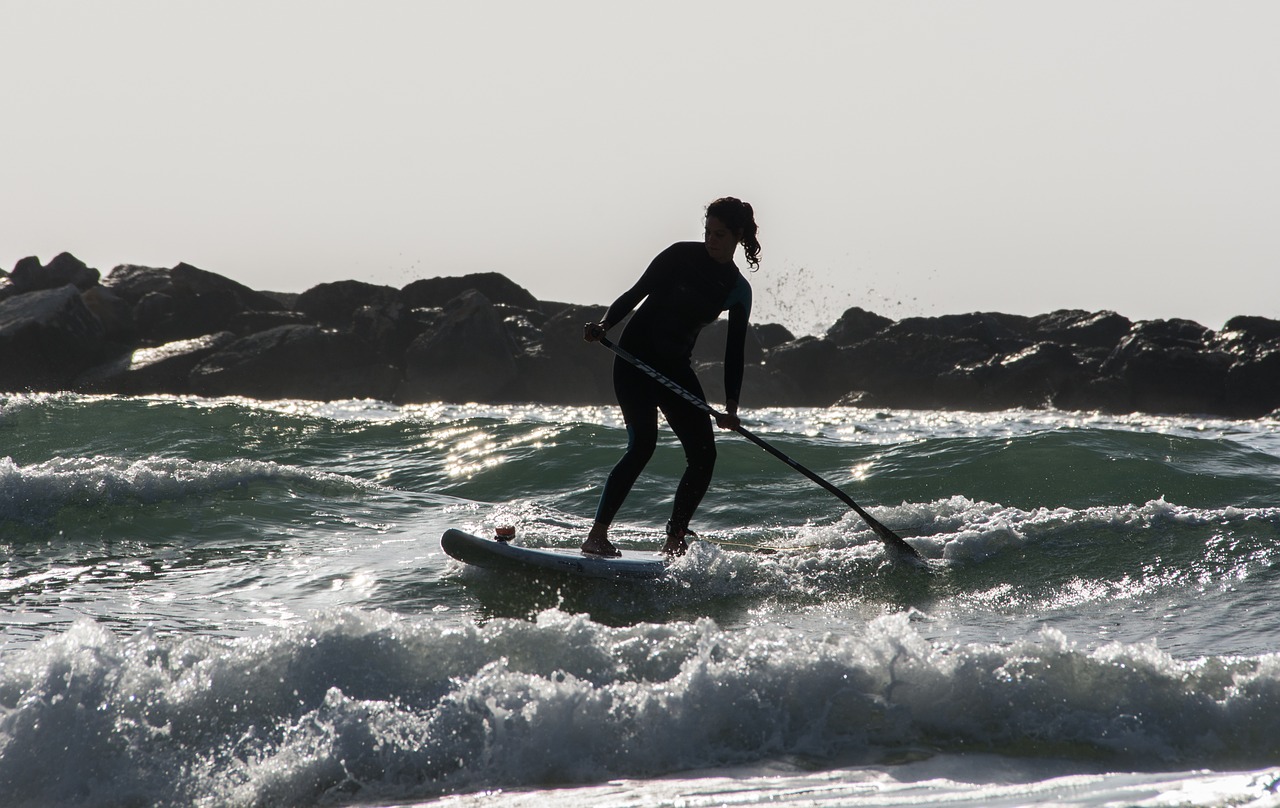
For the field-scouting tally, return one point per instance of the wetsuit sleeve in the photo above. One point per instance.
(734, 350)
(650, 280)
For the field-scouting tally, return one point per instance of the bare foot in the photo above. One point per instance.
(598, 543)
(600, 547)
(675, 546)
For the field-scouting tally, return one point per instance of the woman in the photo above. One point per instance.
(685, 289)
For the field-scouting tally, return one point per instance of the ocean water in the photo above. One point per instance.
(228, 602)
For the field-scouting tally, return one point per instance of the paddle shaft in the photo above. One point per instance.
(893, 540)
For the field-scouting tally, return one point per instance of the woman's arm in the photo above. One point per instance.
(735, 345)
(628, 300)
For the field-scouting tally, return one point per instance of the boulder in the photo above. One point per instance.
(524, 326)
(1166, 368)
(1253, 385)
(761, 385)
(185, 314)
(296, 361)
(1248, 336)
(771, 335)
(1169, 333)
(391, 327)
(497, 289)
(113, 311)
(47, 338)
(467, 356)
(29, 276)
(132, 282)
(183, 302)
(154, 312)
(1081, 329)
(562, 367)
(287, 300)
(1039, 375)
(333, 304)
(999, 333)
(711, 344)
(856, 325)
(908, 369)
(809, 372)
(195, 282)
(244, 323)
(164, 369)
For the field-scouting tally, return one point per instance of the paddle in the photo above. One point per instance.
(892, 540)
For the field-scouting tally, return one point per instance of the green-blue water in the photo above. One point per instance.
(234, 602)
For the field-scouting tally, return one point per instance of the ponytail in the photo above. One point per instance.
(741, 219)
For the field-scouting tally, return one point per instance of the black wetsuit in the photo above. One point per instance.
(684, 290)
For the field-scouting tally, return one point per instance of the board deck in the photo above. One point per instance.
(492, 554)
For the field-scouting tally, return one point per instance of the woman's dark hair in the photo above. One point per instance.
(738, 217)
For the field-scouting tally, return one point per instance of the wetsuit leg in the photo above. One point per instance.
(693, 427)
(637, 397)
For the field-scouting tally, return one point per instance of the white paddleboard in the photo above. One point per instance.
(493, 554)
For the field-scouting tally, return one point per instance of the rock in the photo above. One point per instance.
(47, 338)
(193, 314)
(809, 372)
(1253, 385)
(906, 369)
(856, 325)
(1081, 329)
(1167, 368)
(1000, 333)
(761, 386)
(132, 282)
(154, 311)
(1039, 375)
(199, 282)
(244, 323)
(468, 356)
(771, 335)
(296, 361)
(497, 289)
(1170, 333)
(391, 327)
(1248, 336)
(711, 344)
(287, 300)
(563, 368)
(524, 326)
(64, 269)
(164, 369)
(113, 312)
(183, 302)
(333, 304)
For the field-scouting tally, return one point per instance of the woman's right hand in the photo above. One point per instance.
(592, 332)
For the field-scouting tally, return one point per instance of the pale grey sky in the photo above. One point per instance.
(914, 158)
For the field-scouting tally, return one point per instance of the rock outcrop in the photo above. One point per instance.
(184, 330)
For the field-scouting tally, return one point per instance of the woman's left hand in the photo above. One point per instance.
(729, 420)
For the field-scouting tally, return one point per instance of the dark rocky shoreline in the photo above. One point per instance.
(183, 330)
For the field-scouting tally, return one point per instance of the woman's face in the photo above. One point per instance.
(720, 240)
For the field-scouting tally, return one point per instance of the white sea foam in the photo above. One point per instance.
(960, 529)
(370, 706)
(35, 491)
